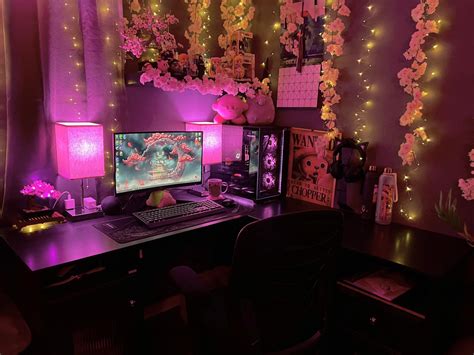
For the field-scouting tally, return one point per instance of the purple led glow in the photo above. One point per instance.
(233, 137)
(270, 142)
(269, 162)
(212, 140)
(80, 149)
(268, 181)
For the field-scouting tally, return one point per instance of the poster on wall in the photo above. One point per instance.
(299, 87)
(308, 177)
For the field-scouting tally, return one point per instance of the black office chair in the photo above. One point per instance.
(278, 299)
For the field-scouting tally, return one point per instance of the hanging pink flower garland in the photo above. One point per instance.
(292, 20)
(334, 41)
(410, 76)
(197, 10)
(467, 185)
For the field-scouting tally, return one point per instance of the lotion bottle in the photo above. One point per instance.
(387, 195)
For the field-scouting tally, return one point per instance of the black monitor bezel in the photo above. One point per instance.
(150, 189)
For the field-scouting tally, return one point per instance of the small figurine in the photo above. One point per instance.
(201, 66)
(176, 69)
(238, 67)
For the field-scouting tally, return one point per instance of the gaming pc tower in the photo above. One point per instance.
(252, 161)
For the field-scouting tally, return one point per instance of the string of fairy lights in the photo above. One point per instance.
(198, 33)
(205, 35)
(271, 38)
(406, 209)
(364, 67)
(75, 73)
(108, 15)
(107, 11)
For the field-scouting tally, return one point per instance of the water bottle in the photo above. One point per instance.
(387, 195)
(369, 193)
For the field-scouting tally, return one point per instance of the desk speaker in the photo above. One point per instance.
(111, 206)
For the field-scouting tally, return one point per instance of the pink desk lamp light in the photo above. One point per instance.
(80, 155)
(212, 146)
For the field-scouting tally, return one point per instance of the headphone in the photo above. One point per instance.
(350, 172)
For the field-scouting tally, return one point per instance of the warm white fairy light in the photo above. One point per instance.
(419, 133)
(364, 67)
(111, 50)
(72, 28)
(198, 33)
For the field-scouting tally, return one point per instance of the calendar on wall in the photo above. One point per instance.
(298, 89)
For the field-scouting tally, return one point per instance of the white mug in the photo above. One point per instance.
(215, 188)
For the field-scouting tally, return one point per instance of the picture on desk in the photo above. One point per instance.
(308, 176)
(158, 159)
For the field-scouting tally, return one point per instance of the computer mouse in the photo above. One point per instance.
(227, 202)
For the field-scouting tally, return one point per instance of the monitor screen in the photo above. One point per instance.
(157, 159)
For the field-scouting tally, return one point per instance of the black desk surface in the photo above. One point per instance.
(428, 253)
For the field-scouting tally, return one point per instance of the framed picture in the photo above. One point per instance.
(309, 179)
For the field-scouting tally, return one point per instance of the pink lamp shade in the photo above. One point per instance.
(212, 140)
(80, 149)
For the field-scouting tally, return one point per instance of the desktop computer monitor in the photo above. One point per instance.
(154, 160)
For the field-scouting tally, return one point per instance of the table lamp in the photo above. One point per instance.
(80, 155)
(212, 147)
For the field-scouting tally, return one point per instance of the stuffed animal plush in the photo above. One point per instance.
(261, 110)
(160, 199)
(230, 108)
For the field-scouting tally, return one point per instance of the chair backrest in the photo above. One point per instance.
(285, 267)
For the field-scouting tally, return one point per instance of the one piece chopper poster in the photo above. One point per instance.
(308, 177)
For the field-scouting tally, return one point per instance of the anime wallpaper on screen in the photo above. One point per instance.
(154, 160)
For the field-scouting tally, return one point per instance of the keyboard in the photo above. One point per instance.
(177, 213)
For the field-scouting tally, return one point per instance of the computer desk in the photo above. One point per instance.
(55, 266)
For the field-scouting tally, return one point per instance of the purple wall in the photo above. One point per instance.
(449, 107)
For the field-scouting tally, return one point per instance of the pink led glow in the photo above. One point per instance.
(233, 138)
(80, 149)
(269, 161)
(212, 140)
(268, 181)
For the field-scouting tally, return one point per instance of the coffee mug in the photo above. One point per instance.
(215, 188)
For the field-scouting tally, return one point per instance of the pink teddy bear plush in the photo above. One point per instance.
(230, 108)
(261, 110)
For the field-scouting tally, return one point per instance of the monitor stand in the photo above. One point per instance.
(199, 191)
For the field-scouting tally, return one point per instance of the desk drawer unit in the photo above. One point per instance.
(380, 322)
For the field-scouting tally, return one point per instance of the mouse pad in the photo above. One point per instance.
(129, 229)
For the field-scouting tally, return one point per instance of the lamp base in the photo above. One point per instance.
(81, 214)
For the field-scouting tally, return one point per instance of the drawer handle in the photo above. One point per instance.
(372, 320)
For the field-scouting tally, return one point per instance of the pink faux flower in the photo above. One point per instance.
(471, 155)
(417, 12)
(431, 26)
(40, 189)
(467, 188)
(336, 26)
(432, 5)
(344, 11)
(406, 151)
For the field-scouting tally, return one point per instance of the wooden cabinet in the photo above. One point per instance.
(383, 323)
(420, 321)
